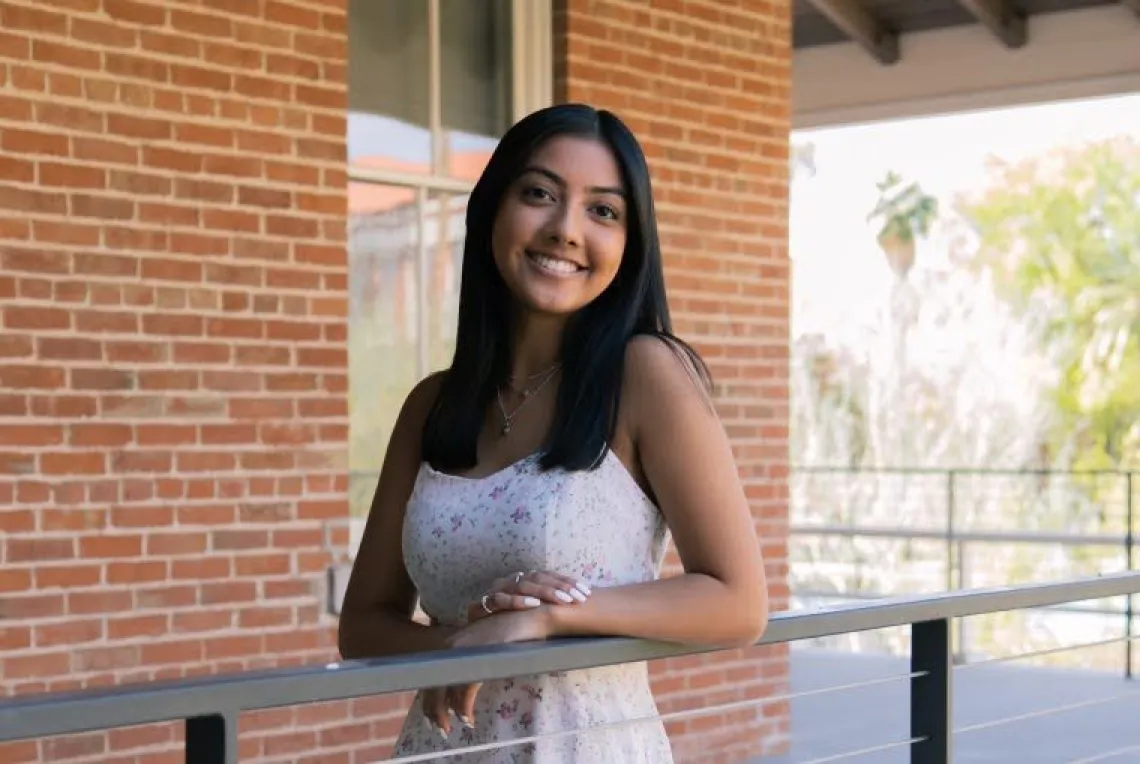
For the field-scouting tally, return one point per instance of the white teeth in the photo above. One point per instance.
(553, 264)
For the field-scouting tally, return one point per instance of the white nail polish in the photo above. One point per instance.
(531, 602)
(577, 595)
(466, 721)
(583, 587)
(563, 596)
(442, 733)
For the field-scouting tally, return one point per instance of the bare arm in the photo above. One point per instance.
(721, 599)
(376, 619)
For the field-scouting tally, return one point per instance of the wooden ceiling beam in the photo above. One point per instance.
(856, 22)
(1002, 19)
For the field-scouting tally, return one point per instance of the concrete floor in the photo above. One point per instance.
(825, 726)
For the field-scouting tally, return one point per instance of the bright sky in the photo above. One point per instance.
(839, 271)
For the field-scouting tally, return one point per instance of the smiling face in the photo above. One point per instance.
(560, 231)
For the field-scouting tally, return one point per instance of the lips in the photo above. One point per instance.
(555, 265)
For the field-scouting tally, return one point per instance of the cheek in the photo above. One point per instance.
(503, 239)
(610, 251)
(514, 227)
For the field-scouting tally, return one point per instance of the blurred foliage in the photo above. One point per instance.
(1060, 236)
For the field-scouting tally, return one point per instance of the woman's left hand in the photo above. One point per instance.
(505, 627)
(500, 629)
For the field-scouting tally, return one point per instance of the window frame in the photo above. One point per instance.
(531, 87)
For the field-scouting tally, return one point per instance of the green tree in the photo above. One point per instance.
(1060, 236)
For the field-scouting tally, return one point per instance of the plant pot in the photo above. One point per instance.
(900, 253)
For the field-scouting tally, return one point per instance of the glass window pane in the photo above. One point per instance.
(444, 235)
(383, 330)
(388, 85)
(475, 73)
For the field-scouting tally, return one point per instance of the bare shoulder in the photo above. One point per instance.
(659, 373)
(422, 397)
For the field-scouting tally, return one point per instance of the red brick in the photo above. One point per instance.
(175, 239)
(611, 54)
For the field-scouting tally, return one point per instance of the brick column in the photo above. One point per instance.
(173, 371)
(706, 87)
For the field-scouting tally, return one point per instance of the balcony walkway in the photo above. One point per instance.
(831, 724)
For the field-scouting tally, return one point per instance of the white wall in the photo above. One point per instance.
(1078, 54)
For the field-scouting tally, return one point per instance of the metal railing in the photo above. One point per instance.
(951, 524)
(210, 707)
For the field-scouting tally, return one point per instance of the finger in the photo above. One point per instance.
(457, 701)
(503, 601)
(481, 608)
(469, 694)
(545, 585)
(438, 713)
(499, 601)
(551, 589)
(549, 577)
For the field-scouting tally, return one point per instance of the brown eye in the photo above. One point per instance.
(538, 193)
(606, 211)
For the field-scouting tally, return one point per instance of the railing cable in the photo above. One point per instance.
(1041, 653)
(1048, 712)
(865, 751)
(1107, 755)
(669, 717)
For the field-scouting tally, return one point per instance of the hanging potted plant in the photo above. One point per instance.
(904, 213)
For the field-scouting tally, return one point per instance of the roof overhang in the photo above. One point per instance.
(886, 59)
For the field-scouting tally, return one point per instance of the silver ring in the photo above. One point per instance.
(519, 577)
(486, 607)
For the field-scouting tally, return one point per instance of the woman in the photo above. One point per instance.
(529, 491)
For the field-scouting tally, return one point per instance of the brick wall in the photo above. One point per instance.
(172, 355)
(706, 87)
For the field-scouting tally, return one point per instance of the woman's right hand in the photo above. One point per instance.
(520, 591)
(524, 591)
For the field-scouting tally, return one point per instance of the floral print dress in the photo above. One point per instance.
(460, 534)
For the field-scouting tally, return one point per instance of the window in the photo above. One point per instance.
(432, 85)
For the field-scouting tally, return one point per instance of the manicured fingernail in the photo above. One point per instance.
(466, 721)
(563, 596)
(531, 602)
(442, 733)
(577, 595)
(583, 587)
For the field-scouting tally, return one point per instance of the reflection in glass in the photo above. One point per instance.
(388, 86)
(384, 317)
(383, 335)
(444, 236)
(475, 73)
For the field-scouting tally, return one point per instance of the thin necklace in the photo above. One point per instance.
(548, 370)
(526, 394)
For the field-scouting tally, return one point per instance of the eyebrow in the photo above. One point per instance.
(555, 177)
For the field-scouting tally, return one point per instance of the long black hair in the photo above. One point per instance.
(595, 339)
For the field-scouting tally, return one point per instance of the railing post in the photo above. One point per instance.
(212, 739)
(930, 694)
(955, 560)
(950, 530)
(1130, 558)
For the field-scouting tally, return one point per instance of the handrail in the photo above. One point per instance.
(50, 714)
(940, 534)
(957, 540)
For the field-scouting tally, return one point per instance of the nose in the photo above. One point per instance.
(564, 227)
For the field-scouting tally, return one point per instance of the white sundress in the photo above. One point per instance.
(460, 534)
